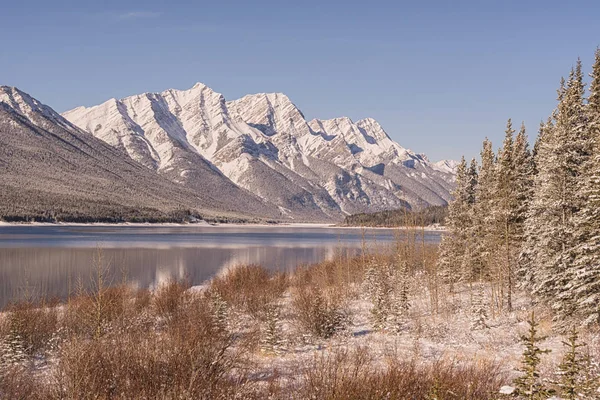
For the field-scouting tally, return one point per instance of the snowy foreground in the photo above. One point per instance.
(347, 328)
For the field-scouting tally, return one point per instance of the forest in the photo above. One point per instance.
(531, 218)
(434, 215)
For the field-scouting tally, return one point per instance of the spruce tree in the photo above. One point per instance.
(563, 150)
(523, 167)
(452, 247)
(478, 309)
(483, 218)
(535, 216)
(528, 385)
(571, 368)
(584, 283)
(504, 210)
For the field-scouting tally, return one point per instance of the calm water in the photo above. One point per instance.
(47, 260)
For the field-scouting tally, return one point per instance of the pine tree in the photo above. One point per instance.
(584, 283)
(482, 252)
(458, 223)
(400, 304)
(272, 340)
(571, 368)
(219, 311)
(528, 385)
(523, 167)
(478, 309)
(535, 216)
(504, 210)
(563, 150)
(467, 263)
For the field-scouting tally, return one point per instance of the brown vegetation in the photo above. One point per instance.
(118, 342)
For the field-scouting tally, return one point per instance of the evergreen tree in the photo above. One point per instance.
(571, 368)
(528, 385)
(584, 279)
(504, 211)
(483, 219)
(452, 247)
(562, 152)
(272, 341)
(523, 167)
(479, 309)
(535, 215)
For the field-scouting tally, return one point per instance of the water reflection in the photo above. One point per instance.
(49, 260)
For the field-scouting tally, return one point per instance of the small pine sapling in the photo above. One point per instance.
(478, 309)
(272, 341)
(578, 374)
(219, 311)
(528, 385)
(400, 298)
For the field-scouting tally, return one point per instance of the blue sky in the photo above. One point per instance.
(440, 76)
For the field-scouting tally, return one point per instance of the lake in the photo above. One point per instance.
(48, 260)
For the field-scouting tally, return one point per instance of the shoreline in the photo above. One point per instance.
(205, 224)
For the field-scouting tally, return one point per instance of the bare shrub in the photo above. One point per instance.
(343, 374)
(16, 383)
(169, 298)
(92, 313)
(250, 288)
(33, 323)
(192, 358)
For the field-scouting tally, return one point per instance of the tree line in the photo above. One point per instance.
(530, 218)
(400, 217)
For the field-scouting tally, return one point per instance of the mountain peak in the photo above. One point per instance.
(29, 107)
(448, 166)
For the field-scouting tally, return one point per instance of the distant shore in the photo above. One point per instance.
(216, 225)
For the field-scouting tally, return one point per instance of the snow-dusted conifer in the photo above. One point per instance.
(482, 213)
(584, 279)
(571, 368)
(272, 340)
(562, 152)
(504, 210)
(535, 215)
(523, 167)
(479, 309)
(452, 248)
(400, 304)
(528, 385)
(219, 311)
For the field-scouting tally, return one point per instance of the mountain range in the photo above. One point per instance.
(191, 149)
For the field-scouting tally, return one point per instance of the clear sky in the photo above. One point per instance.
(439, 75)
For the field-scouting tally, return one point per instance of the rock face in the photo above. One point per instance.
(49, 167)
(307, 171)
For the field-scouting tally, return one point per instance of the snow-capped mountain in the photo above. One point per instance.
(448, 166)
(317, 170)
(50, 166)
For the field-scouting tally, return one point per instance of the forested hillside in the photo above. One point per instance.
(52, 171)
(401, 217)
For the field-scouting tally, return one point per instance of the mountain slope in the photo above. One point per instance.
(50, 168)
(317, 170)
